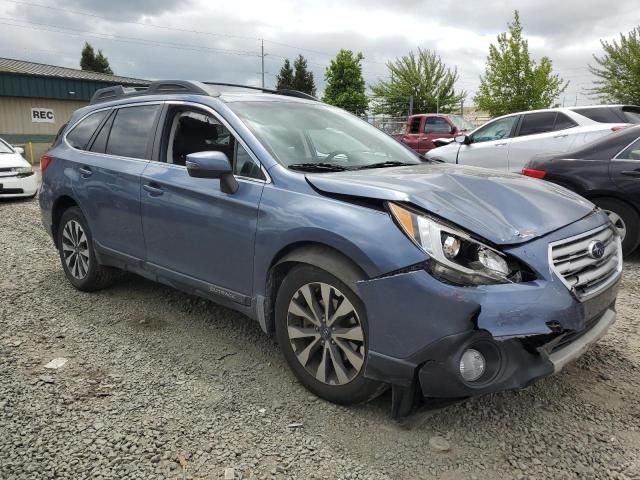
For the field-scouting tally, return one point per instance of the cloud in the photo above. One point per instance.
(220, 41)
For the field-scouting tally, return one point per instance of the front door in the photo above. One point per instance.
(489, 147)
(194, 232)
(624, 171)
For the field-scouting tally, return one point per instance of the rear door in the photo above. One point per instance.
(489, 145)
(540, 132)
(434, 127)
(108, 176)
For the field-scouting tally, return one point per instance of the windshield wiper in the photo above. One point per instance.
(390, 163)
(318, 167)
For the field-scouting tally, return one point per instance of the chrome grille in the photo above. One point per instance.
(584, 275)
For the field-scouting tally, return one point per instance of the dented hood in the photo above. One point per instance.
(500, 207)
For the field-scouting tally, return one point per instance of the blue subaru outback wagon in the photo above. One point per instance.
(373, 267)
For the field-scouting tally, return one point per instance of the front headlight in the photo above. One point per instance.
(455, 256)
(23, 171)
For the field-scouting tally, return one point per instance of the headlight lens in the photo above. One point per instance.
(23, 170)
(455, 256)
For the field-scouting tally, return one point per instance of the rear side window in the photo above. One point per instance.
(81, 134)
(533, 123)
(100, 142)
(603, 114)
(414, 126)
(563, 122)
(436, 125)
(132, 131)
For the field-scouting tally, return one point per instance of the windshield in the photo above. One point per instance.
(303, 134)
(5, 148)
(461, 123)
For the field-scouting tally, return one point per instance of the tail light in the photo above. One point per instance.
(45, 161)
(532, 172)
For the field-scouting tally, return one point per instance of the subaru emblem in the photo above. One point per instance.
(596, 249)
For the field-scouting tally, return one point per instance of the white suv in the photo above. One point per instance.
(507, 143)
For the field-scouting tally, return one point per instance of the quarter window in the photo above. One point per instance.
(81, 134)
(436, 125)
(534, 123)
(99, 144)
(496, 130)
(563, 122)
(132, 131)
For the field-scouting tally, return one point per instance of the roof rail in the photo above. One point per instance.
(155, 88)
(287, 92)
(181, 86)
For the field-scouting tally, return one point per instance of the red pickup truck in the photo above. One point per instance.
(422, 129)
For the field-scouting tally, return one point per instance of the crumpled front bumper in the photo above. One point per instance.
(419, 327)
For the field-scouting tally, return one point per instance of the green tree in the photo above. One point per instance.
(513, 81)
(94, 63)
(345, 85)
(284, 80)
(303, 78)
(425, 79)
(618, 70)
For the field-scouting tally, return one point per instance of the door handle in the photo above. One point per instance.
(562, 135)
(501, 144)
(153, 189)
(631, 173)
(85, 171)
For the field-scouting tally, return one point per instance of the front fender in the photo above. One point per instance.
(367, 236)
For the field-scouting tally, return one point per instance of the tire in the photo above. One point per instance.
(625, 217)
(75, 241)
(340, 381)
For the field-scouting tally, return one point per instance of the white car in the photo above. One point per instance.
(507, 143)
(17, 177)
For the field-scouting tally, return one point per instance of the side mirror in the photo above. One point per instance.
(453, 130)
(212, 165)
(463, 139)
(19, 150)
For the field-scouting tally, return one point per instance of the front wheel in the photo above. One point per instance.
(321, 326)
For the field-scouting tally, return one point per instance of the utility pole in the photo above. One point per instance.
(262, 58)
(411, 105)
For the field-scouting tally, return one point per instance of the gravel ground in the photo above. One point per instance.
(159, 384)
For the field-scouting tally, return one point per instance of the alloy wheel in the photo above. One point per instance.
(75, 249)
(325, 333)
(618, 222)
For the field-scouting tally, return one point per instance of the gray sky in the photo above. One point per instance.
(219, 41)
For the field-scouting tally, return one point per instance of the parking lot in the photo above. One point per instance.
(159, 384)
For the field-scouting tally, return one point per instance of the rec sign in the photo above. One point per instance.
(42, 115)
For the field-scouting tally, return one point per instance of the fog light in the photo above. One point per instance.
(472, 365)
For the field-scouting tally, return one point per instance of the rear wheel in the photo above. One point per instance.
(77, 253)
(321, 327)
(625, 219)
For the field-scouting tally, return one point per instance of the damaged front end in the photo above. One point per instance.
(430, 338)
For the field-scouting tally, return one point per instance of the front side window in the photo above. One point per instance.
(496, 130)
(534, 123)
(81, 134)
(301, 135)
(632, 152)
(436, 125)
(132, 131)
(193, 131)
